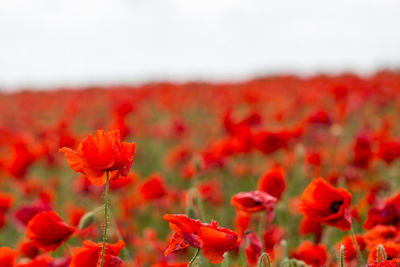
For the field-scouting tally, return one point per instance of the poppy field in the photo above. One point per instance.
(275, 171)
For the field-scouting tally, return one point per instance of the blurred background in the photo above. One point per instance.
(50, 43)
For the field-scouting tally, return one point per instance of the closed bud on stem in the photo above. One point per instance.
(86, 220)
(191, 213)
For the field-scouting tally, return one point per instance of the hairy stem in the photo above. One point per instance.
(105, 219)
(194, 257)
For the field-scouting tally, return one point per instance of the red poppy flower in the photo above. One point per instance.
(166, 264)
(385, 263)
(7, 257)
(6, 201)
(185, 230)
(29, 249)
(314, 255)
(24, 214)
(388, 214)
(242, 222)
(37, 262)
(314, 158)
(90, 255)
(212, 239)
(362, 151)
(389, 151)
(211, 191)
(268, 142)
(392, 251)
(273, 182)
(309, 226)
(153, 187)
(123, 182)
(272, 236)
(48, 231)
(325, 204)
(97, 155)
(22, 158)
(350, 252)
(253, 251)
(254, 201)
(381, 234)
(216, 241)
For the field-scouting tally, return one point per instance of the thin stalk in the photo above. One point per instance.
(341, 256)
(194, 257)
(261, 224)
(105, 219)
(200, 205)
(359, 255)
(381, 250)
(261, 260)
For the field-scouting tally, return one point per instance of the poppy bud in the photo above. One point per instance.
(86, 220)
(191, 213)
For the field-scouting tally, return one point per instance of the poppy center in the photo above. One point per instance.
(335, 206)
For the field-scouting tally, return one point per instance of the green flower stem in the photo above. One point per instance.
(261, 224)
(105, 219)
(381, 250)
(359, 255)
(194, 257)
(341, 256)
(261, 260)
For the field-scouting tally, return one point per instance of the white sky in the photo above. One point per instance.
(71, 42)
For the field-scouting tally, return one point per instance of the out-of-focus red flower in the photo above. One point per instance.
(37, 262)
(48, 231)
(314, 158)
(120, 124)
(350, 252)
(122, 182)
(102, 153)
(29, 249)
(21, 159)
(314, 255)
(7, 257)
(185, 230)
(24, 214)
(211, 191)
(388, 214)
(309, 226)
(166, 264)
(90, 255)
(235, 128)
(272, 236)
(216, 241)
(254, 201)
(212, 239)
(362, 151)
(325, 204)
(242, 222)
(385, 263)
(75, 214)
(273, 182)
(65, 138)
(178, 156)
(320, 117)
(253, 250)
(381, 234)
(6, 201)
(392, 251)
(389, 151)
(153, 187)
(268, 142)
